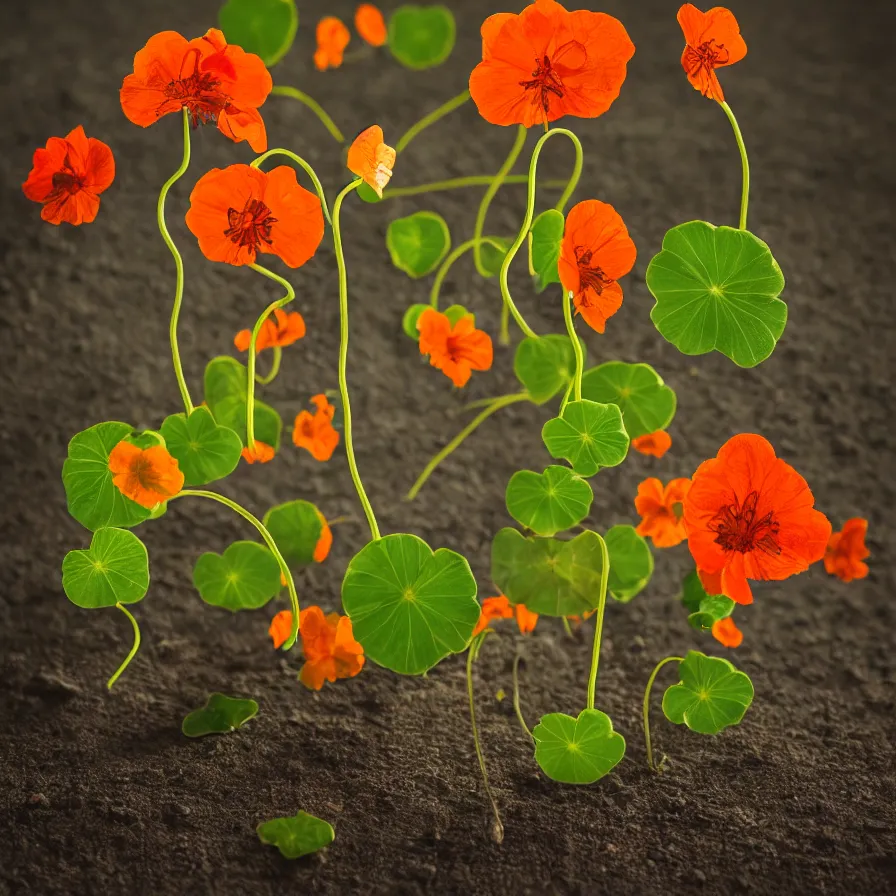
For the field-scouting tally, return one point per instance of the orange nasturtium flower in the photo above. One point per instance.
(145, 475)
(750, 515)
(260, 453)
(371, 159)
(371, 25)
(332, 39)
(546, 63)
(712, 40)
(727, 633)
(330, 649)
(286, 329)
(315, 431)
(662, 511)
(68, 175)
(215, 81)
(846, 550)
(596, 251)
(455, 350)
(324, 540)
(281, 626)
(655, 444)
(501, 608)
(239, 211)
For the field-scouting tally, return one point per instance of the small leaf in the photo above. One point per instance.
(418, 243)
(588, 435)
(492, 256)
(297, 836)
(204, 451)
(409, 321)
(544, 249)
(703, 609)
(711, 696)
(692, 592)
(421, 36)
(637, 390)
(264, 27)
(548, 502)
(368, 194)
(220, 715)
(295, 527)
(544, 365)
(631, 562)
(226, 383)
(114, 569)
(454, 313)
(245, 577)
(410, 607)
(717, 288)
(577, 751)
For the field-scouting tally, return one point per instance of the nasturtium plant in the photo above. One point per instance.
(220, 715)
(646, 403)
(421, 36)
(548, 502)
(245, 577)
(297, 835)
(703, 609)
(296, 527)
(492, 256)
(544, 247)
(418, 242)
(266, 28)
(409, 321)
(631, 562)
(577, 750)
(588, 435)
(711, 696)
(410, 607)
(113, 570)
(717, 288)
(205, 451)
(544, 365)
(226, 382)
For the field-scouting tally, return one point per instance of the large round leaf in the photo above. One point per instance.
(226, 384)
(93, 500)
(204, 451)
(577, 751)
(264, 27)
(631, 562)
(113, 570)
(245, 577)
(418, 242)
(550, 577)
(544, 365)
(295, 527)
(588, 435)
(220, 715)
(545, 239)
(637, 390)
(409, 607)
(711, 696)
(549, 502)
(421, 36)
(717, 288)
(296, 836)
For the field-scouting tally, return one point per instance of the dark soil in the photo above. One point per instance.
(100, 793)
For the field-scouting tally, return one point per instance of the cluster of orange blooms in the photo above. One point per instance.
(333, 36)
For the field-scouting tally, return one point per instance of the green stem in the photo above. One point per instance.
(573, 178)
(134, 649)
(343, 361)
(305, 167)
(493, 188)
(268, 540)
(250, 387)
(566, 396)
(516, 695)
(314, 106)
(745, 165)
(275, 368)
(454, 183)
(498, 829)
(646, 704)
(599, 617)
(567, 627)
(455, 443)
(179, 266)
(576, 345)
(450, 260)
(432, 118)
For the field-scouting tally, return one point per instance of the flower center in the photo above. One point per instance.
(199, 92)
(737, 528)
(545, 83)
(65, 180)
(146, 475)
(708, 55)
(250, 227)
(590, 276)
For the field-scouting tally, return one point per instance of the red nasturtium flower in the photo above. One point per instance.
(68, 175)
(315, 431)
(596, 251)
(330, 649)
(846, 550)
(750, 515)
(662, 511)
(145, 475)
(656, 444)
(215, 81)
(371, 159)
(282, 330)
(332, 39)
(239, 211)
(712, 40)
(260, 453)
(455, 350)
(546, 63)
(371, 25)
(727, 633)
(501, 608)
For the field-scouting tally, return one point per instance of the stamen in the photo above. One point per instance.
(545, 82)
(590, 277)
(251, 226)
(737, 528)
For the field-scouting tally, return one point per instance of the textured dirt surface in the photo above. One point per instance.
(100, 793)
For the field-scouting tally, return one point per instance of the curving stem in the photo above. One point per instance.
(498, 829)
(646, 704)
(434, 116)
(745, 166)
(134, 649)
(599, 617)
(576, 345)
(313, 105)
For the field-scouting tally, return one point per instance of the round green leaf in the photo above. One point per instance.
(226, 383)
(577, 751)
(717, 288)
(454, 313)
(711, 695)
(409, 321)
(204, 451)
(421, 36)
(418, 242)
(113, 570)
(546, 237)
(295, 528)
(549, 502)
(264, 27)
(631, 563)
(492, 256)
(93, 500)
(220, 715)
(637, 390)
(550, 577)
(245, 577)
(544, 365)
(588, 435)
(297, 836)
(409, 607)
(703, 609)
(368, 194)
